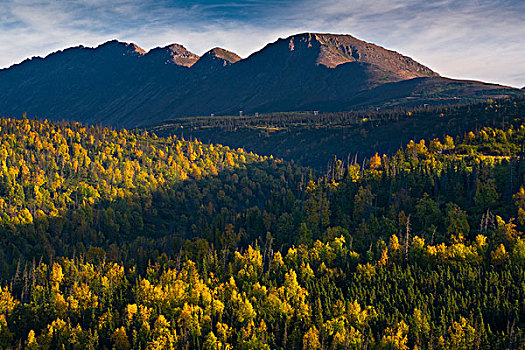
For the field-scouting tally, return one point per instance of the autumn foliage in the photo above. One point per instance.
(125, 240)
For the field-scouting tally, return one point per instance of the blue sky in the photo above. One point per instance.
(471, 39)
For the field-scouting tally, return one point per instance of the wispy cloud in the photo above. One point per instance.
(474, 39)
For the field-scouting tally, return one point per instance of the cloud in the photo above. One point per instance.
(474, 39)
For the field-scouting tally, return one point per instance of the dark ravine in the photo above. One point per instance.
(120, 84)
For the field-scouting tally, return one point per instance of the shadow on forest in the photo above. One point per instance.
(219, 211)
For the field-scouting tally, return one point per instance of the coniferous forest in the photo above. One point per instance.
(118, 239)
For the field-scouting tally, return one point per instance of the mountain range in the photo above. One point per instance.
(121, 84)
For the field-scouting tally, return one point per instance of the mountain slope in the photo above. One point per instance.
(121, 84)
(302, 71)
(313, 140)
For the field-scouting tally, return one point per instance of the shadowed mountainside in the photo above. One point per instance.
(122, 85)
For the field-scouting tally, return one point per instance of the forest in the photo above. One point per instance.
(310, 138)
(118, 239)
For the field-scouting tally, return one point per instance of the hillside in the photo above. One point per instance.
(120, 84)
(65, 187)
(313, 140)
(120, 239)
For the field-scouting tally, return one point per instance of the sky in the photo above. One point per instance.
(466, 39)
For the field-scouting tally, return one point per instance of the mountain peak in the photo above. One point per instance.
(220, 53)
(333, 50)
(214, 60)
(115, 44)
(174, 54)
